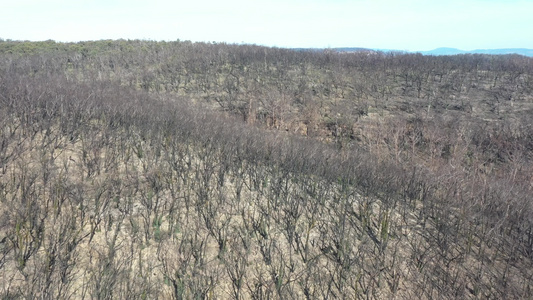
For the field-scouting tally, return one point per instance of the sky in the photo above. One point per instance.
(410, 25)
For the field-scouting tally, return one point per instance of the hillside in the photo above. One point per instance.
(140, 170)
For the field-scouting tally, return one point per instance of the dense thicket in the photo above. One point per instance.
(135, 169)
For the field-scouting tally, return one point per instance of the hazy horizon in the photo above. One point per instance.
(413, 25)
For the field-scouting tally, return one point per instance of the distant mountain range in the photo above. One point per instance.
(453, 51)
(438, 51)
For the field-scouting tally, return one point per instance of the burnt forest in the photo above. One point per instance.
(136, 169)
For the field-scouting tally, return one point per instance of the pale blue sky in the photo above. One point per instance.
(386, 24)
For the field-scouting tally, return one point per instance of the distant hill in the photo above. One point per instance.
(438, 51)
(454, 51)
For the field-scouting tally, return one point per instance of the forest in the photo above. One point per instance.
(135, 169)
